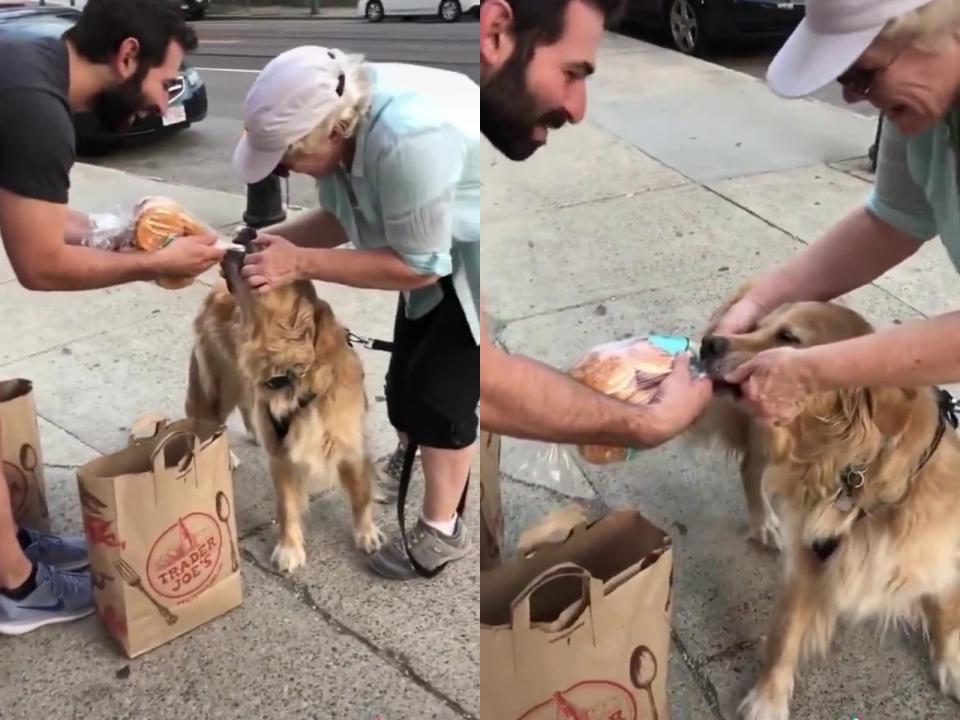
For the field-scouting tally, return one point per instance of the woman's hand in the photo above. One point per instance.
(775, 383)
(738, 314)
(276, 264)
(740, 317)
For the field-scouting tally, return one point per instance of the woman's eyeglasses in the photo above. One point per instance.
(861, 80)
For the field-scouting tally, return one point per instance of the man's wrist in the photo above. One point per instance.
(647, 426)
(149, 265)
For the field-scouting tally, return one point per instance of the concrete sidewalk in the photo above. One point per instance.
(685, 179)
(331, 641)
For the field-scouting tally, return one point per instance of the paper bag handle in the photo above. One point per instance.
(592, 589)
(148, 426)
(158, 458)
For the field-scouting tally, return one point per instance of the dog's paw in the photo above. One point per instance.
(288, 558)
(948, 668)
(760, 704)
(369, 539)
(769, 534)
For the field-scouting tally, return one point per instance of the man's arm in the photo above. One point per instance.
(522, 398)
(33, 234)
(79, 226)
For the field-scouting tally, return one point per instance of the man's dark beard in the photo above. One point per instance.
(116, 108)
(508, 113)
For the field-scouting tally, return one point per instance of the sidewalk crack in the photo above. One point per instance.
(74, 436)
(730, 651)
(302, 592)
(707, 688)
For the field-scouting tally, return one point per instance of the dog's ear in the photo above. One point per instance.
(301, 315)
(890, 408)
(327, 340)
(830, 418)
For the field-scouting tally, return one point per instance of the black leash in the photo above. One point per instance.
(408, 459)
(369, 343)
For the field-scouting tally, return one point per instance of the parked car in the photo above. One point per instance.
(694, 27)
(188, 94)
(446, 10)
(195, 9)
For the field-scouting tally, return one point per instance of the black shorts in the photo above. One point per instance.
(433, 384)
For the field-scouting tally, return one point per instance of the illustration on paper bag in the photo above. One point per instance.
(20, 484)
(603, 699)
(185, 558)
(97, 527)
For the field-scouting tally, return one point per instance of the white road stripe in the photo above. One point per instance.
(234, 70)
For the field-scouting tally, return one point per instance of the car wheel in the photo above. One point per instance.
(450, 10)
(686, 27)
(374, 11)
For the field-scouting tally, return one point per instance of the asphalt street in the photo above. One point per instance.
(753, 59)
(230, 54)
(232, 51)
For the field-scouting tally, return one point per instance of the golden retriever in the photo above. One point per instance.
(861, 492)
(284, 360)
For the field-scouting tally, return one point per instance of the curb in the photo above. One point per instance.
(305, 16)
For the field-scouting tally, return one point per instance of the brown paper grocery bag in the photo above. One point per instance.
(580, 629)
(491, 510)
(159, 522)
(21, 454)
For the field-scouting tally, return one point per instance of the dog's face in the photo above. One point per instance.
(797, 325)
(836, 429)
(280, 336)
(283, 332)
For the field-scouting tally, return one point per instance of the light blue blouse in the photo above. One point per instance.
(415, 180)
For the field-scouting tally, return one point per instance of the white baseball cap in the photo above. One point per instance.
(293, 94)
(829, 39)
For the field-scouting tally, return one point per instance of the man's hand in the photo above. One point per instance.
(189, 256)
(276, 264)
(679, 401)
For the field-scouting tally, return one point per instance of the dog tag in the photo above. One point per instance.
(844, 503)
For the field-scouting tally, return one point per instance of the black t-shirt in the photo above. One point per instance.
(37, 145)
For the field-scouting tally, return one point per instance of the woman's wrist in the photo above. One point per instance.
(301, 269)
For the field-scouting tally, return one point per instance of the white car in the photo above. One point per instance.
(447, 10)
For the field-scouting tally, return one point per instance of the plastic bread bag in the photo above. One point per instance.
(630, 370)
(150, 225)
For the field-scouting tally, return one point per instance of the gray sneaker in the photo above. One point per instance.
(59, 597)
(390, 470)
(430, 547)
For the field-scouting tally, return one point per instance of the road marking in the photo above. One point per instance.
(236, 70)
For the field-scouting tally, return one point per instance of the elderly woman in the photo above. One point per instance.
(395, 150)
(903, 56)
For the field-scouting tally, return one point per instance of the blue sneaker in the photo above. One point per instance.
(63, 552)
(59, 597)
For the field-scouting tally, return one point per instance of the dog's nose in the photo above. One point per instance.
(714, 347)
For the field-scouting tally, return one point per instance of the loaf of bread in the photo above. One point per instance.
(629, 370)
(158, 221)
